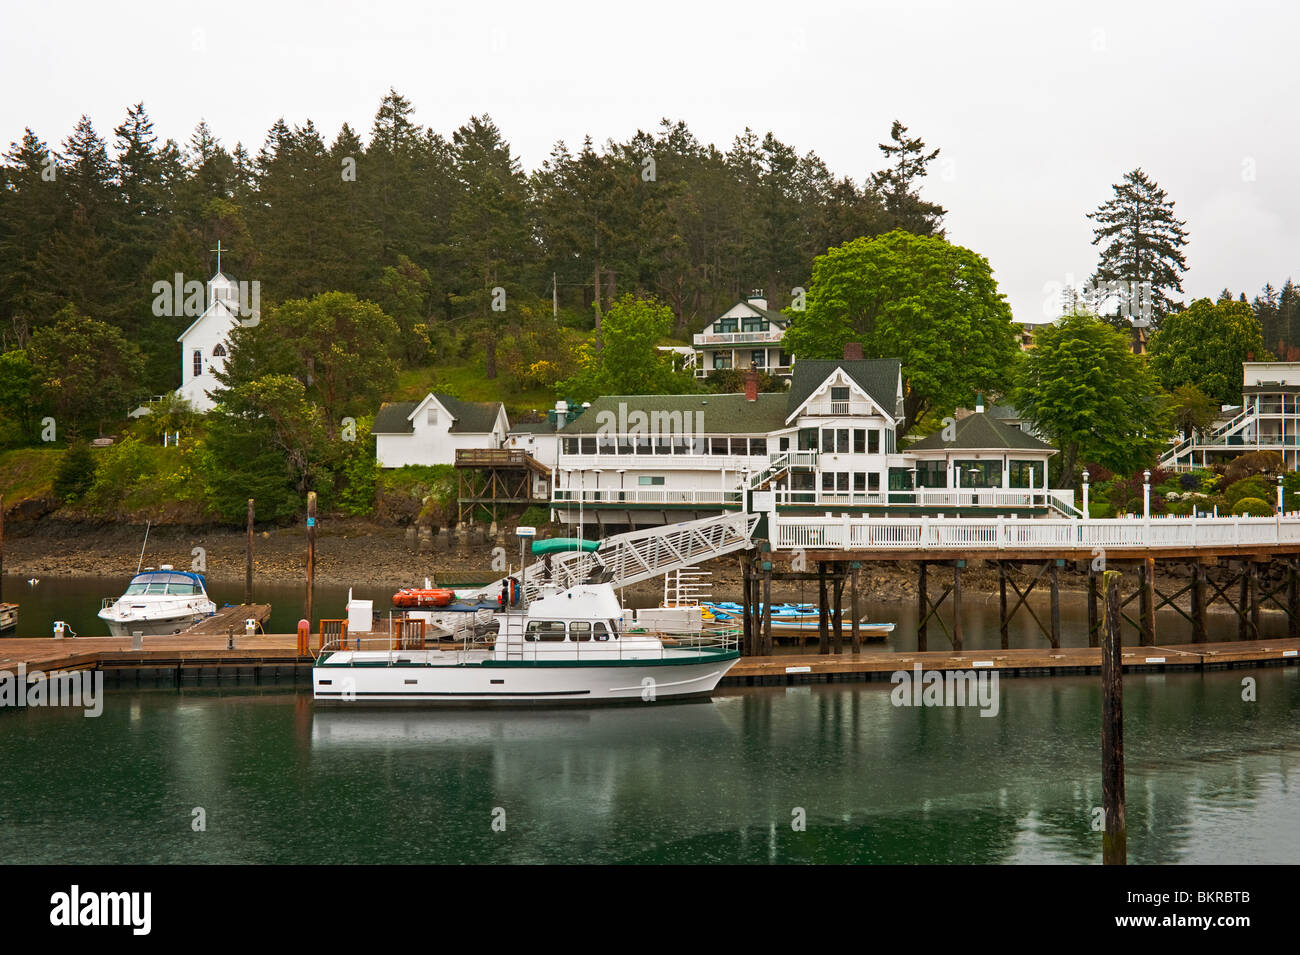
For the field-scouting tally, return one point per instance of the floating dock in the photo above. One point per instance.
(193, 658)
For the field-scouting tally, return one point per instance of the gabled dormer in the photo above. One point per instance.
(847, 387)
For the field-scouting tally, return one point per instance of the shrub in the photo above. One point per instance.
(535, 516)
(1253, 507)
(1256, 462)
(1256, 487)
(76, 473)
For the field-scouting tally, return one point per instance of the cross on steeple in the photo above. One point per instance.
(218, 251)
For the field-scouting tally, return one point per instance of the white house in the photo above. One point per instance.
(432, 430)
(829, 444)
(1268, 419)
(747, 334)
(205, 344)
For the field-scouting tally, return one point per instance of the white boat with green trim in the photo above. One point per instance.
(571, 646)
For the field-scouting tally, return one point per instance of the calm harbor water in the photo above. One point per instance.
(1210, 778)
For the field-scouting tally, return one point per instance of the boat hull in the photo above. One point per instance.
(8, 617)
(514, 683)
(151, 628)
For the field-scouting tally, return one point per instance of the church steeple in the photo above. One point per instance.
(221, 287)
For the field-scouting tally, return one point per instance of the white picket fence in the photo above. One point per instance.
(965, 533)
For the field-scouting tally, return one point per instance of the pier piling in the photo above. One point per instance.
(311, 551)
(1114, 840)
(248, 561)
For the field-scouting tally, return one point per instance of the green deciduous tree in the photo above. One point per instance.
(1084, 388)
(630, 363)
(933, 305)
(1204, 345)
(88, 371)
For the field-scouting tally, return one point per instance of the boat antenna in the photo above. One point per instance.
(140, 562)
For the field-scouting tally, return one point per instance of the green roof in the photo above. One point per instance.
(720, 414)
(391, 419)
(878, 377)
(471, 417)
(979, 432)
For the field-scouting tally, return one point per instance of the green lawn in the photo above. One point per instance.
(28, 472)
(467, 383)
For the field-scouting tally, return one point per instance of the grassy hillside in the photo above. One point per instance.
(28, 472)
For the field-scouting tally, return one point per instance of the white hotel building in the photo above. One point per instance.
(827, 445)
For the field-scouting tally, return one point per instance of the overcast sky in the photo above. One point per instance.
(1038, 107)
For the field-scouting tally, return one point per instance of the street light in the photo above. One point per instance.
(1279, 494)
(1146, 494)
(1086, 512)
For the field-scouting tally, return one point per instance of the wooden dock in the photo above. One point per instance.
(230, 619)
(188, 658)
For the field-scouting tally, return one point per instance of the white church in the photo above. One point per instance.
(205, 344)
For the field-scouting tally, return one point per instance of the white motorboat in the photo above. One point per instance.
(157, 602)
(570, 646)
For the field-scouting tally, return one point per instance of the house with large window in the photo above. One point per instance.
(747, 335)
(1268, 419)
(827, 445)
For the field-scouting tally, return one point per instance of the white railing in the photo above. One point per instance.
(732, 338)
(647, 495)
(1059, 500)
(649, 462)
(969, 533)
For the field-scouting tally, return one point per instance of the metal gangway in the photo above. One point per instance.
(629, 558)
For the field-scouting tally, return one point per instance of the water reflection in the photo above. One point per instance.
(1210, 778)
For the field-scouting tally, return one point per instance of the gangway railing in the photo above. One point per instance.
(634, 556)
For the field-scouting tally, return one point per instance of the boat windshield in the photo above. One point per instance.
(153, 584)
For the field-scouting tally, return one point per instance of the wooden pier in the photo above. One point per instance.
(230, 620)
(191, 658)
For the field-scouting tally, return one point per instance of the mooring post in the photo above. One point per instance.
(957, 565)
(1198, 602)
(837, 617)
(1147, 600)
(1054, 578)
(311, 552)
(1254, 600)
(1243, 603)
(248, 561)
(1292, 599)
(1094, 620)
(1002, 605)
(855, 610)
(1114, 839)
(823, 609)
(922, 608)
(747, 605)
(765, 641)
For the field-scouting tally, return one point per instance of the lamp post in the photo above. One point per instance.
(1146, 494)
(524, 534)
(1279, 494)
(1086, 513)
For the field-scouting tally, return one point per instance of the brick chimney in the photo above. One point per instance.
(853, 351)
(751, 385)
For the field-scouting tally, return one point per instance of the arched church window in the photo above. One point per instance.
(198, 363)
(219, 351)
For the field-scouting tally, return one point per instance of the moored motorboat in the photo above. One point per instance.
(158, 602)
(8, 617)
(802, 621)
(571, 646)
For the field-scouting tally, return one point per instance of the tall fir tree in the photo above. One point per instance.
(1142, 242)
